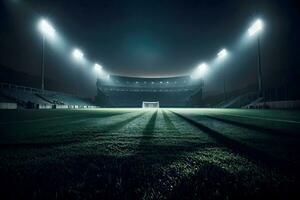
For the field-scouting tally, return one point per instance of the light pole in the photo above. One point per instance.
(200, 71)
(78, 56)
(222, 55)
(43, 64)
(98, 69)
(256, 27)
(47, 30)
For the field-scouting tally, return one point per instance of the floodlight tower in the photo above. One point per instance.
(47, 30)
(77, 54)
(198, 73)
(255, 29)
(98, 69)
(222, 55)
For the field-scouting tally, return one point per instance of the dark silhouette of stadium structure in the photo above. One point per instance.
(122, 91)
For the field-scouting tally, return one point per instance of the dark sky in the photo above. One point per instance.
(153, 38)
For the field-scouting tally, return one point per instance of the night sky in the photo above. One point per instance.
(153, 38)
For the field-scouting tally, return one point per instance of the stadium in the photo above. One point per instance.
(151, 105)
(169, 92)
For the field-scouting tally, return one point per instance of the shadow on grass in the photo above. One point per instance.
(147, 135)
(255, 127)
(134, 176)
(253, 154)
(81, 137)
(169, 122)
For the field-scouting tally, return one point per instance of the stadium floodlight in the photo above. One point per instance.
(256, 27)
(222, 54)
(77, 54)
(47, 30)
(200, 71)
(97, 67)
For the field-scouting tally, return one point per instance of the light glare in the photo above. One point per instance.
(200, 71)
(222, 53)
(97, 67)
(46, 28)
(77, 54)
(256, 27)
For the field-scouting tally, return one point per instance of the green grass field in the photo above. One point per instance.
(149, 154)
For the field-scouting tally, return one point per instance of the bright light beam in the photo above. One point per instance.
(223, 53)
(77, 54)
(256, 27)
(46, 28)
(200, 71)
(97, 67)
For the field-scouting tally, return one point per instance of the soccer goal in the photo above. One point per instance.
(147, 104)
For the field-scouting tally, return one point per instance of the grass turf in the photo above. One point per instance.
(148, 154)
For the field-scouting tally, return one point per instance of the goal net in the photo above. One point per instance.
(147, 104)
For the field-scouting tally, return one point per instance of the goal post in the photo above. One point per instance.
(148, 104)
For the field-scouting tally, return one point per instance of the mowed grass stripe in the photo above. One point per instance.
(244, 149)
(117, 126)
(47, 115)
(279, 144)
(82, 137)
(52, 128)
(264, 130)
(264, 118)
(169, 122)
(149, 129)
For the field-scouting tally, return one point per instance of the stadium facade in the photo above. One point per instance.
(122, 91)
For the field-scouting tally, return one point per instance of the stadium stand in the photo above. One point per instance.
(6, 103)
(239, 101)
(276, 98)
(26, 97)
(121, 91)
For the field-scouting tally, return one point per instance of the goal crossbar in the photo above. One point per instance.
(150, 104)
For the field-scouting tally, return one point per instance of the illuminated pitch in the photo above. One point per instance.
(147, 104)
